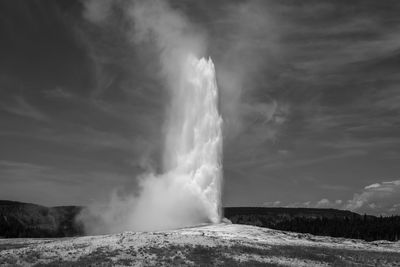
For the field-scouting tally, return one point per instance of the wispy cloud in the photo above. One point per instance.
(49, 185)
(389, 98)
(58, 92)
(24, 167)
(290, 161)
(22, 108)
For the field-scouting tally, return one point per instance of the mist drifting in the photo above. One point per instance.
(188, 190)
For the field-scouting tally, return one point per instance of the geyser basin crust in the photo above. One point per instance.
(215, 245)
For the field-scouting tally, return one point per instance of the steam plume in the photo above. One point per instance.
(188, 190)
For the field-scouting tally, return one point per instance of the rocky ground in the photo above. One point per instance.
(211, 245)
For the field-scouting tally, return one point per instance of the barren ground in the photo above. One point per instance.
(222, 244)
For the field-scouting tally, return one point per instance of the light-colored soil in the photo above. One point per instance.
(212, 245)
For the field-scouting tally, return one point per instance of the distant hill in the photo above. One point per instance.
(19, 219)
(275, 214)
(272, 216)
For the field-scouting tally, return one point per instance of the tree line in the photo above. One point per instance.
(365, 227)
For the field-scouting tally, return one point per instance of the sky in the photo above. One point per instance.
(309, 95)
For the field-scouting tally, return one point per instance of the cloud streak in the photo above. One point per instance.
(24, 109)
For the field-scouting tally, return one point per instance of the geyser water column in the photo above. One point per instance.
(194, 135)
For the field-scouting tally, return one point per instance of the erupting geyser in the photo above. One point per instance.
(189, 190)
(194, 139)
